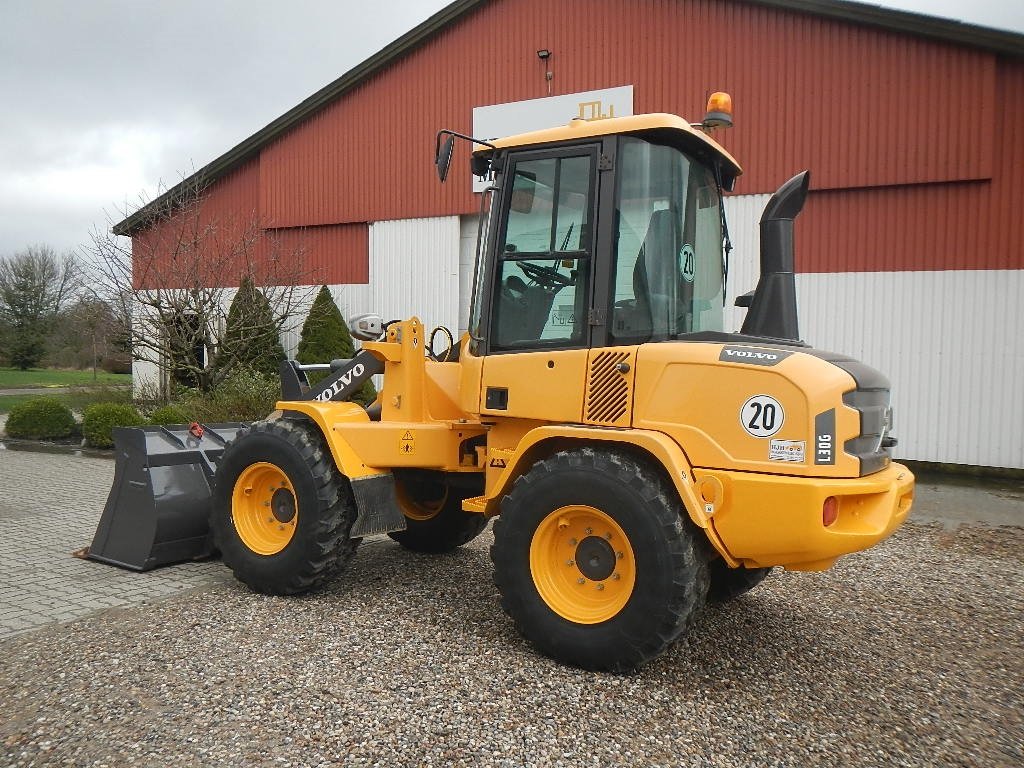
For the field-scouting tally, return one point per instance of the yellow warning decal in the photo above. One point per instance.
(407, 442)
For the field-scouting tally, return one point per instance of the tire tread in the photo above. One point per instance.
(329, 548)
(634, 646)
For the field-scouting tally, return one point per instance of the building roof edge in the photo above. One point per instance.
(949, 30)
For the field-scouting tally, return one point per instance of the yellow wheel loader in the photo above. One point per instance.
(639, 460)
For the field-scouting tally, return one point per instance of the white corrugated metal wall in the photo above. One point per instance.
(946, 339)
(942, 338)
(414, 270)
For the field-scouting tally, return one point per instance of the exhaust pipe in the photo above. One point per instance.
(772, 309)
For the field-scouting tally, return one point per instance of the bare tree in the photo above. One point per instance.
(35, 285)
(170, 282)
(87, 335)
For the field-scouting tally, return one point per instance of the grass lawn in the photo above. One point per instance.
(12, 378)
(9, 401)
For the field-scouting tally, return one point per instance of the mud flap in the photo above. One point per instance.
(377, 505)
(158, 510)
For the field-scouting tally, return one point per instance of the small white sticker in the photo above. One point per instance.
(762, 416)
(687, 263)
(787, 450)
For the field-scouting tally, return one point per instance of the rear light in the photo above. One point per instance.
(829, 511)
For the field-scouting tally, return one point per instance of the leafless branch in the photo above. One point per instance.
(170, 283)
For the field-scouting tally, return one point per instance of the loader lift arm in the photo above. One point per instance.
(347, 376)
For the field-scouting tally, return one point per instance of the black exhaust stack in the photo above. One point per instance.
(772, 306)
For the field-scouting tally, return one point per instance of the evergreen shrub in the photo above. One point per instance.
(250, 334)
(325, 337)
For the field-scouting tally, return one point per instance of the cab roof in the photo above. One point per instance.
(658, 126)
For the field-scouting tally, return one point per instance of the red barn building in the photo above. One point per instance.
(909, 252)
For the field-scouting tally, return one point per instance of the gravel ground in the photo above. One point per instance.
(908, 654)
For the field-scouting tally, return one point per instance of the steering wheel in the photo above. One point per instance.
(545, 276)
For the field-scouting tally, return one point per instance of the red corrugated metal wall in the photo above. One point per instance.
(205, 242)
(954, 225)
(202, 242)
(921, 129)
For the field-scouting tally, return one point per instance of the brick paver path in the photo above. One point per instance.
(50, 505)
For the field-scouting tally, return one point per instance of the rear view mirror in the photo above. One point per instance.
(443, 156)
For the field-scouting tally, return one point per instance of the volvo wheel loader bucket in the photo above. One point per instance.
(158, 509)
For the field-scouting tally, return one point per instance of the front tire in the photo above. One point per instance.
(435, 522)
(595, 560)
(282, 512)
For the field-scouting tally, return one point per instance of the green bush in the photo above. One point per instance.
(169, 414)
(41, 418)
(244, 395)
(99, 420)
(325, 337)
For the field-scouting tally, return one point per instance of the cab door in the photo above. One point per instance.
(541, 286)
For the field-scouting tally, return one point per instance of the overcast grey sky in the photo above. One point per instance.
(102, 99)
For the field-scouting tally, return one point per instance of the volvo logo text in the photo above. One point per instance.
(343, 381)
(753, 356)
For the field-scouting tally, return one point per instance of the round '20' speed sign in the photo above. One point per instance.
(762, 416)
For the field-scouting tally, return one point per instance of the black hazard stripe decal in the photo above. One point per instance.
(753, 355)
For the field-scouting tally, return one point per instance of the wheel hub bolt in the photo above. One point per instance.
(573, 542)
(570, 563)
(266, 503)
(581, 581)
(608, 536)
(589, 531)
(619, 555)
(600, 586)
(616, 576)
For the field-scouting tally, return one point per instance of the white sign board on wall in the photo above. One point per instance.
(498, 120)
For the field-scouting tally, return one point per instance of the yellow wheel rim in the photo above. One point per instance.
(264, 509)
(582, 564)
(421, 508)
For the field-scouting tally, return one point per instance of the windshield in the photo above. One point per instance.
(668, 275)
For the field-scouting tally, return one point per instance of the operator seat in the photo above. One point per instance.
(654, 276)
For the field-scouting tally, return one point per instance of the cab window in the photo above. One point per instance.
(544, 254)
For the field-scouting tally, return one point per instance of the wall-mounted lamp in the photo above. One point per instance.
(544, 54)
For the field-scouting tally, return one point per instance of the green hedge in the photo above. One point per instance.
(41, 418)
(244, 395)
(169, 414)
(99, 420)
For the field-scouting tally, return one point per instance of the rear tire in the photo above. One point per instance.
(596, 562)
(729, 583)
(282, 512)
(435, 522)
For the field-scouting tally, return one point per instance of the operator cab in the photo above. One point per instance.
(608, 234)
